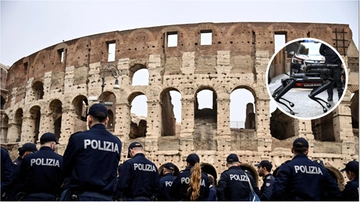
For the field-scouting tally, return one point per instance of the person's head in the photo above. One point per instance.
(211, 180)
(97, 114)
(27, 148)
(195, 175)
(232, 160)
(351, 169)
(49, 140)
(168, 168)
(300, 146)
(264, 167)
(135, 148)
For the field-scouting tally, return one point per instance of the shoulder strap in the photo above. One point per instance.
(248, 179)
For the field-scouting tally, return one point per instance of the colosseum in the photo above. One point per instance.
(50, 90)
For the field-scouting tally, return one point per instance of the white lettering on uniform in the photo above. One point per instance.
(144, 167)
(238, 177)
(45, 162)
(101, 145)
(308, 169)
(186, 180)
(168, 183)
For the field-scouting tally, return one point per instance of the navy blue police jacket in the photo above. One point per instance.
(165, 186)
(330, 56)
(181, 183)
(351, 191)
(303, 179)
(234, 186)
(17, 183)
(6, 170)
(91, 160)
(139, 177)
(42, 172)
(266, 188)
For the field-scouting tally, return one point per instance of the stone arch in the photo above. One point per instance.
(55, 110)
(282, 126)
(169, 126)
(135, 66)
(251, 170)
(206, 26)
(38, 90)
(34, 120)
(313, 31)
(140, 77)
(209, 169)
(4, 127)
(138, 124)
(3, 102)
(283, 28)
(241, 94)
(182, 34)
(18, 120)
(323, 128)
(130, 38)
(110, 99)
(354, 107)
(80, 104)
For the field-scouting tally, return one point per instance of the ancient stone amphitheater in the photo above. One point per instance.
(51, 89)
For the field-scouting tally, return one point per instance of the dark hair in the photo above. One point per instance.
(300, 150)
(211, 179)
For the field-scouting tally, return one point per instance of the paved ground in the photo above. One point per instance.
(304, 108)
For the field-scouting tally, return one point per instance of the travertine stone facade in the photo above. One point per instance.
(236, 59)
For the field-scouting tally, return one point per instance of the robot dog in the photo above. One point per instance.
(310, 73)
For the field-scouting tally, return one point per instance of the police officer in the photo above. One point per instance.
(264, 169)
(27, 148)
(139, 179)
(351, 190)
(6, 172)
(91, 159)
(302, 179)
(166, 181)
(332, 58)
(212, 193)
(191, 183)
(42, 171)
(233, 184)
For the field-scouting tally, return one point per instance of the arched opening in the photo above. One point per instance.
(354, 107)
(38, 89)
(209, 169)
(138, 124)
(110, 100)
(3, 102)
(282, 126)
(80, 104)
(205, 114)
(323, 128)
(242, 109)
(4, 128)
(139, 75)
(35, 117)
(56, 112)
(18, 124)
(170, 112)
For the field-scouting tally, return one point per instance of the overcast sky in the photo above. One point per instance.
(29, 26)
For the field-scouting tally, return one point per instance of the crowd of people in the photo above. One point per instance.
(89, 170)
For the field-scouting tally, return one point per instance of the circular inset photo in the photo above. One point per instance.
(307, 78)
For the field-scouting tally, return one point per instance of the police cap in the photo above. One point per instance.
(132, 145)
(300, 143)
(264, 163)
(98, 111)
(192, 159)
(352, 166)
(169, 166)
(232, 158)
(27, 147)
(48, 137)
